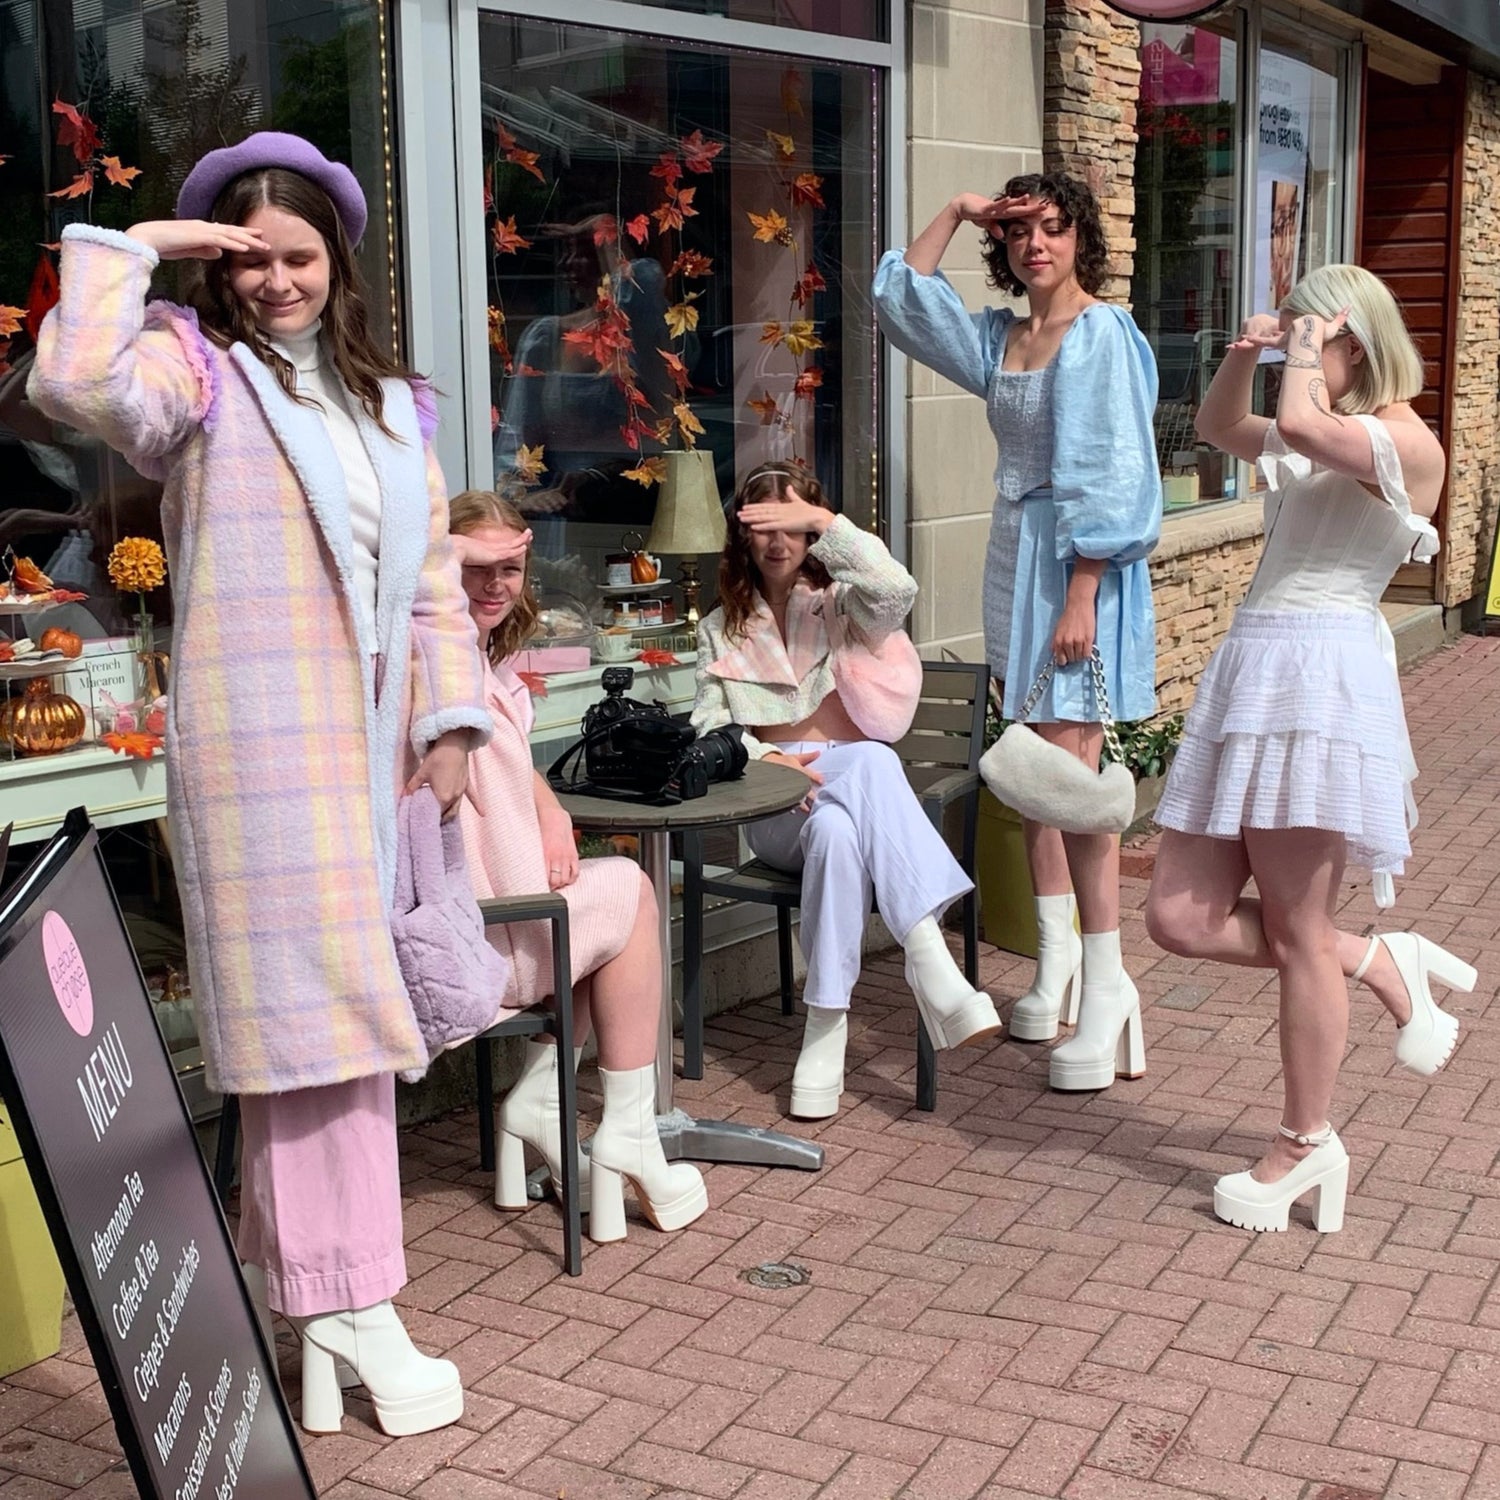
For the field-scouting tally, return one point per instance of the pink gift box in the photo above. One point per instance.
(546, 659)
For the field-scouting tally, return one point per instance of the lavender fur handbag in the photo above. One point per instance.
(455, 979)
(1046, 784)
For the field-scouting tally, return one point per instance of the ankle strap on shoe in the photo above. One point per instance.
(1367, 960)
(1313, 1138)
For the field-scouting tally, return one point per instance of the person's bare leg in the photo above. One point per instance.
(624, 994)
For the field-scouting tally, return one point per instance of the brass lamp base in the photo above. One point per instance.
(690, 584)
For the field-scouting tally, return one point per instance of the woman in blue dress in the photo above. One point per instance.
(1070, 389)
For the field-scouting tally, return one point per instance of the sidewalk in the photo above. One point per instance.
(1024, 1294)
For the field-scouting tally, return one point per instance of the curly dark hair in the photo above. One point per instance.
(1077, 207)
(739, 578)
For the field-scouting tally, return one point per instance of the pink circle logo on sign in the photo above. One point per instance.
(70, 979)
(1164, 10)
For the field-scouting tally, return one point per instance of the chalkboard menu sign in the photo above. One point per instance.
(116, 1165)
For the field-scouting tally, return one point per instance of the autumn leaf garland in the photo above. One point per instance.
(804, 190)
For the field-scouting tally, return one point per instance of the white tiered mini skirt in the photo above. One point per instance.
(1298, 723)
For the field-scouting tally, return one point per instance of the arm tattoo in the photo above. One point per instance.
(1315, 388)
(1295, 362)
(1304, 339)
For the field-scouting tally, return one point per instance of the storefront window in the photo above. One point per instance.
(866, 19)
(1184, 291)
(680, 245)
(1200, 268)
(103, 110)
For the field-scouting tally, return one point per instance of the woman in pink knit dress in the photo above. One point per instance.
(519, 841)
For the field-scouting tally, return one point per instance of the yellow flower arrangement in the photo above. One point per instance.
(137, 564)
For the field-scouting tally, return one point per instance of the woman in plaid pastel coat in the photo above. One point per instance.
(324, 658)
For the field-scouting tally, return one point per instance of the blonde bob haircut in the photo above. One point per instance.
(468, 512)
(1391, 369)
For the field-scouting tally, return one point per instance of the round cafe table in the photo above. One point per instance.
(761, 792)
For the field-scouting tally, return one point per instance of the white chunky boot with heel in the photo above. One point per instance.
(954, 1012)
(818, 1078)
(626, 1145)
(1108, 1042)
(410, 1392)
(1053, 996)
(528, 1116)
(1427, 1040)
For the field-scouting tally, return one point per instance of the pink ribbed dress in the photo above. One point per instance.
(504, 848)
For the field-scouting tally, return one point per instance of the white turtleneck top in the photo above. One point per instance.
(317, 377)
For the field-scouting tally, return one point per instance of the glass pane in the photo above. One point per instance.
(1184, 291)
(1299, 174)
(681, 243)
(867, 19)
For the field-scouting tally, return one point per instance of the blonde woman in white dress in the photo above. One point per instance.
(1295, 760)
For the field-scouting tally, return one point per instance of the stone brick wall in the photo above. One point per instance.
(1092, 78)
(1474, 447)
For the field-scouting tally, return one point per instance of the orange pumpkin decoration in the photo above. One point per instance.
(643, 568)
(41, 721)
(28, 578)
(56, 639)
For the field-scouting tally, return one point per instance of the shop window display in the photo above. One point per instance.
(103, 110)
(680, 244)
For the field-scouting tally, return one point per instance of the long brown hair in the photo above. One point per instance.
(467, 512)
(360, 361)
(739, 578)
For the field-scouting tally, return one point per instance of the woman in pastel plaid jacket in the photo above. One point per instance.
(297, 711)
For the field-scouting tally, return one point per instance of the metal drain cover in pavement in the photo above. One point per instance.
(777, 1275)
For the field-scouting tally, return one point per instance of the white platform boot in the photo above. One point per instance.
(528, 1116)
(954, 1012)
(1427, 1040)
(410, 1392)
(818, 1079)
(1054, 993)
(1108, 1042)
(626, 1144)
(255, 1284)
(1266, 1206)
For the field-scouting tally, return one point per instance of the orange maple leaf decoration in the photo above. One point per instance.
(806, 383)
(657, 658)
(668, 168)
(535, 683)
(766, 406)
(805, 190)
(649, 471)
(527, 160)
(675, 368)
(679, 206)
(810, 281)
(77, 131)
(11, 320)
(783, 143)
(507, 240)
(136, 743)
(791, 92)
(530, 462)
(115, 173)
(769, 227)
(83, 183)
(698, 154)
(606, 230)
(638, 228)
(691, 263)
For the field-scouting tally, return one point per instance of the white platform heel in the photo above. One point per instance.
(626, 1144)
(410, 1392)
(1054, 993)
(528, 1116)
(818, 1078)
(1266, 1206)
(1109, 1042)
(1427, 1040)
(954, 1012)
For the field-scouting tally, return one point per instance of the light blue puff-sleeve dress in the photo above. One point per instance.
(1075, 476)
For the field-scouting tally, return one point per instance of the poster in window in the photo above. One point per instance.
(1286, 96)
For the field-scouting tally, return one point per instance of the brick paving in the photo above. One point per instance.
(1024, 1294)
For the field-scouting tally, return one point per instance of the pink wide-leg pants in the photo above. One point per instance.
(320, 1195)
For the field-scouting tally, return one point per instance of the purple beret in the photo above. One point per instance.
(273, 148)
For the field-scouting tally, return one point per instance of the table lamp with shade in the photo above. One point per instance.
(689, 519)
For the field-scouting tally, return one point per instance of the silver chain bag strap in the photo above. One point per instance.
(1047, 784)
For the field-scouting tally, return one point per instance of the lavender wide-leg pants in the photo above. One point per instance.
(320, 1195)
(866, 834)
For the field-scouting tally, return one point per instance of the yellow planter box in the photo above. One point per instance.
(31, 1281)
(1007, 910)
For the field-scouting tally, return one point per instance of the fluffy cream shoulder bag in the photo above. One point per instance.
(1046, 784)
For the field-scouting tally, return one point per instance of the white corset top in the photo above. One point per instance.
(1330, 544)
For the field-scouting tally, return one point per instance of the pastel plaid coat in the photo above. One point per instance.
(284, 754)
